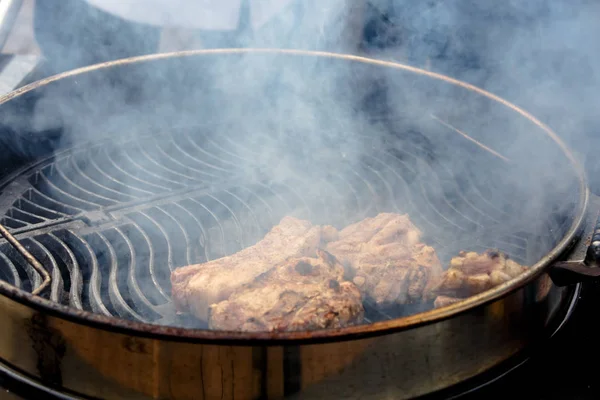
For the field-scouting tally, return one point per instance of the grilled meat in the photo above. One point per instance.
(278, 284)
(299, 294)
(389, 263)
(196, 287)
(472, 273)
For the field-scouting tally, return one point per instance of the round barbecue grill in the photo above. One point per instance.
(116, 175)
(110, 221)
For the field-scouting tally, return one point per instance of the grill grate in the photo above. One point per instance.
(110, 221)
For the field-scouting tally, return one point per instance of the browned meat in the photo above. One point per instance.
(472, 273)
(299, 294)
(196, 287)
(390, 264)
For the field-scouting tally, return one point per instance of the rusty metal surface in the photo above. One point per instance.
(108, 364)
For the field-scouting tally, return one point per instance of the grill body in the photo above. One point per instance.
(116, 174)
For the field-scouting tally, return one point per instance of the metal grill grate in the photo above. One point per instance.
(110, 221)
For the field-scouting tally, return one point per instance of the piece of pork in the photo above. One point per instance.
(389, 263)
(196, 287)
(471, 273)
(299, 294)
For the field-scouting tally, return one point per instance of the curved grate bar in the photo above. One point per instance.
(110, 222)
(9, 271)
(133, 283)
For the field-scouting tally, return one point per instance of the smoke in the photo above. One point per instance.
(539, 55)
(341, 139)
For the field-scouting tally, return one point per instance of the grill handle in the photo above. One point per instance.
(566, 273)
(30, 259)
(593, 252)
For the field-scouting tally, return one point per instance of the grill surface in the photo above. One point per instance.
(112, 219)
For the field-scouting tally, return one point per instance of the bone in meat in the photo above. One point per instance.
(471, 273)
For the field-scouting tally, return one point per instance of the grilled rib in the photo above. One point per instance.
(196, 287)
(390, 264)
(299, 294)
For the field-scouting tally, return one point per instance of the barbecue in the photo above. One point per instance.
(383, 257)
(300, 294)
(389, 263)
(196, 287)
(471, 273)
(262, 287)
(229, 192)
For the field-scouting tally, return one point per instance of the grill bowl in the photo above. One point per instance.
(111, 188)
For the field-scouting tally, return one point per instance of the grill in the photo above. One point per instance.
(110, 220)
(170, 159)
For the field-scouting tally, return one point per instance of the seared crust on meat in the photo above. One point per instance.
(196, 287)
(389, 263)
(471, 273)
(279, 284)
(299, 294)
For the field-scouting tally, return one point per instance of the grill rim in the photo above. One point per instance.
(349, 333)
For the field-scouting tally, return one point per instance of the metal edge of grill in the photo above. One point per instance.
(33, 216)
